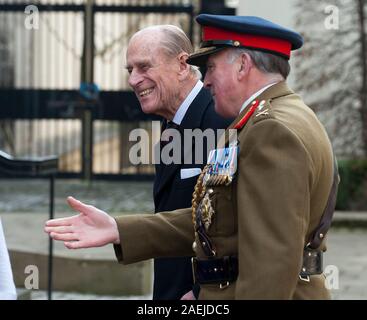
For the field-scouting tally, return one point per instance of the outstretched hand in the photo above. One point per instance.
(90, 228)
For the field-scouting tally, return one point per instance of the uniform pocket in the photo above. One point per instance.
(223, 222)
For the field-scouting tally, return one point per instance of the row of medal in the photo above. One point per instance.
(222, 166)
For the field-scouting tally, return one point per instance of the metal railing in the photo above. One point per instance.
(41, 109)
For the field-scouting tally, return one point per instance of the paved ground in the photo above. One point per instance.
(26, 195)
(347, 251)
(18, 198)
(42, 295)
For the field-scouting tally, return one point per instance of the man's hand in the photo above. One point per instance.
(91, 228)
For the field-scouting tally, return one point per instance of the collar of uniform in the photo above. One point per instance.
(180, 113)
(275, 91)
(255, 95)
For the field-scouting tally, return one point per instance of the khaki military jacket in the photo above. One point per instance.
(265, 216)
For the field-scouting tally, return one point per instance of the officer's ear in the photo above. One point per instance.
(245, 64)
(184, 67)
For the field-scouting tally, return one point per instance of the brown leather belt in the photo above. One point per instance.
(224, 271)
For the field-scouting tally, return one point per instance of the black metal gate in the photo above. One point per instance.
(46, 52)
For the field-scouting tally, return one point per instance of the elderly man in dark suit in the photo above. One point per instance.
(167, 86)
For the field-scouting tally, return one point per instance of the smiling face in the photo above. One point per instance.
(153, 75)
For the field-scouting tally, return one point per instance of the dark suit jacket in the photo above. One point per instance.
(173, 276)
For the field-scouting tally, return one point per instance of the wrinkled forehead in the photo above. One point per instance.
(138, 52)
(139, 44)
(145, 39)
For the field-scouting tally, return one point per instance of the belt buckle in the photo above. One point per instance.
(193, 268)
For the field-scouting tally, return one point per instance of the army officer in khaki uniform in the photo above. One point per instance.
(263, 204)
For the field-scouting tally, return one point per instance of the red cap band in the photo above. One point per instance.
(248, 40)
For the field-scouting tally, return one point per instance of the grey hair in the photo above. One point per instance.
(265, 62)
(173, 41)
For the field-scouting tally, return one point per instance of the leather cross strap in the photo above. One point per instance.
(312, 262)
(205, 240)
(318, 235)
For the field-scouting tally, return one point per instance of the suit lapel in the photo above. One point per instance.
(158, 167)
(191, 120)
(195, 112)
